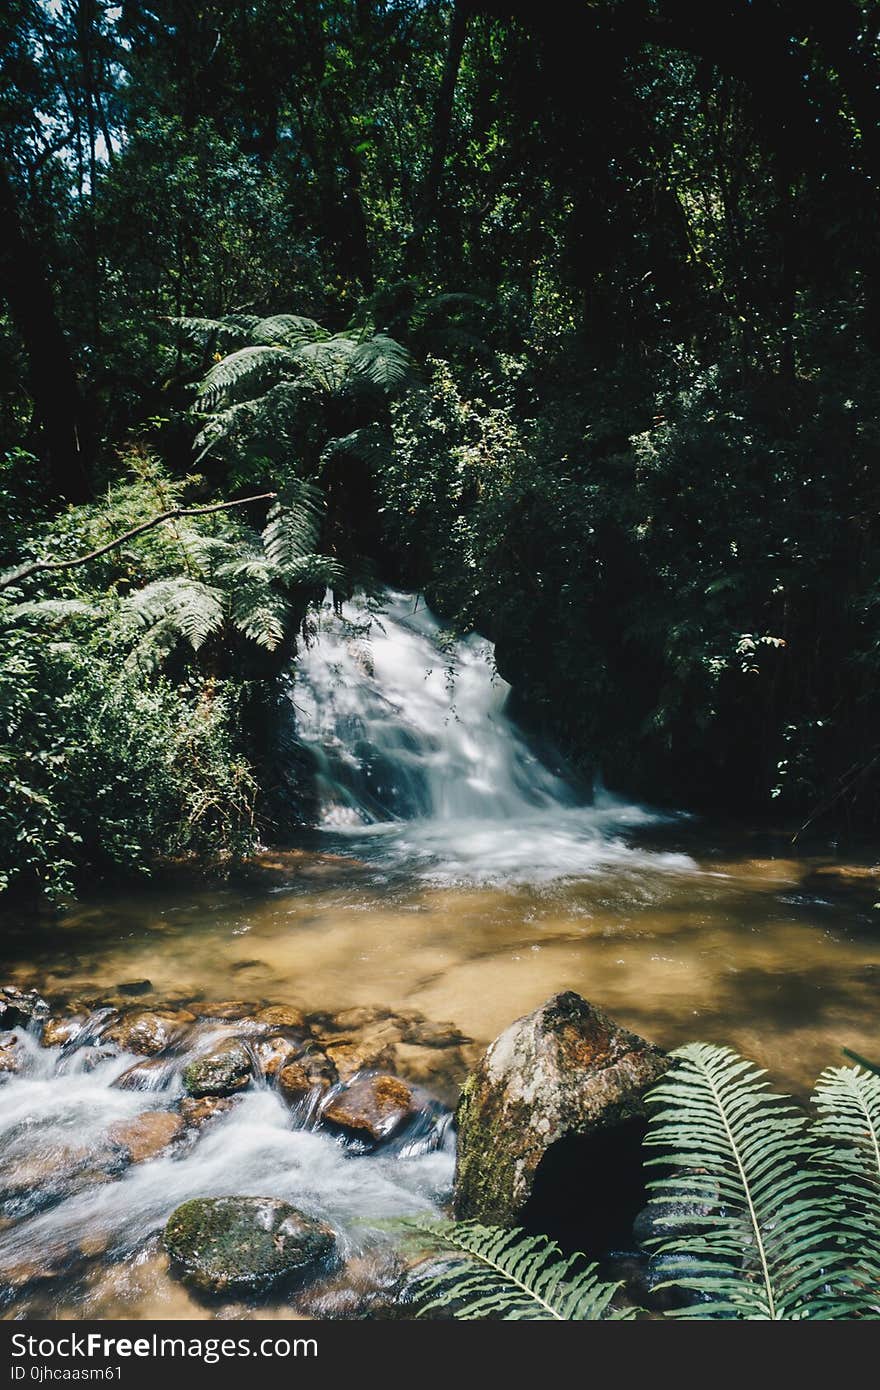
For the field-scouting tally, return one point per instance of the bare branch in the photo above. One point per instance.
(15, 576)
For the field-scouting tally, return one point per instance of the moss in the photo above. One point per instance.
(245, 1244)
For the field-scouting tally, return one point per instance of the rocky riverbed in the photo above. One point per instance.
(249, 1154)
(103, 1091)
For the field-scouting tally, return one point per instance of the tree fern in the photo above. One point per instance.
(261, 353)
(510, 1275)
(382, 361)
(229, 332)
(771, 1243)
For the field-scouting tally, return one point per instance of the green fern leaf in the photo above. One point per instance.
(287, 330)
(292, 528)
(382, 361)
(249, 371)
(181, 605)
(228, 332)
(260, 612)
(771, 1242)
(510, 1275)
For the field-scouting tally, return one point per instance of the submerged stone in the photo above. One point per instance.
(226, 1010)
(196, 1112)
(147, 1135)
(565, 1070)
(275, 1052)
(280, 1016)
(245, 1245)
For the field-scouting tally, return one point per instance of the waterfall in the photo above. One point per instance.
(413, 748)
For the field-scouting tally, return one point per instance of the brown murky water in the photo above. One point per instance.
(775, 955)
(689, 936)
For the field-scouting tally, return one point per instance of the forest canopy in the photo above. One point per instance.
(567, 317)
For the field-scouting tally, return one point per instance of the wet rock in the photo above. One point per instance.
(372, 1050)
(276, 1052)
(227, 1010)
(371, 1107)
(565, 1070)
(32, 1181)
(58, 1031)
(280, 1016)
(11, 1055)
(245, 1245)
(148, 1032)
(196, 1113)
(19, 1007)
(687, 1216)
(352, 1020)
(424, 1033)
(305, 1078)
(145, 1076)
(438, 1070)
(135, 987)
(226, 1069)
(146, 1135)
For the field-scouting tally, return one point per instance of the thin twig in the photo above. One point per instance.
(15, 576)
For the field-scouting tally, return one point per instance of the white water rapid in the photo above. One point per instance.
(415, 753)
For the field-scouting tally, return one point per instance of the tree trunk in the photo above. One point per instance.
(430, 194)
(58, 409)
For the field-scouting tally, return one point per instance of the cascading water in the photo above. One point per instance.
(412, 744)
(66, 1194)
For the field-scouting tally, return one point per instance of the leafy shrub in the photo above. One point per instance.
(101, 771)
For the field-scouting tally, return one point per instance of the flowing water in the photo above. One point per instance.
(455, 875)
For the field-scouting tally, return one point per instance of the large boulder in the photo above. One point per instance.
(245, 1245)
(565, 1070)
(222, 1072)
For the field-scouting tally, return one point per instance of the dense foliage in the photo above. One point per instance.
(569, 318)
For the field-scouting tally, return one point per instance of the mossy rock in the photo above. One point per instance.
(246, 1245)
(224, 1071)
(566, 1069)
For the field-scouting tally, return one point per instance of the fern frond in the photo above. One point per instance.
(192, 609)
(848, 1129)
(328, 363)
(848, 1101)
(292, 530)
(48, 611)
(511, 1275)
(260, 612)
(769, 1244)
(227, 332)
(249, 370)
(382, 361)
(288, 330)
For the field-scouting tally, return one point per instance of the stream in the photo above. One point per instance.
(456, 879)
